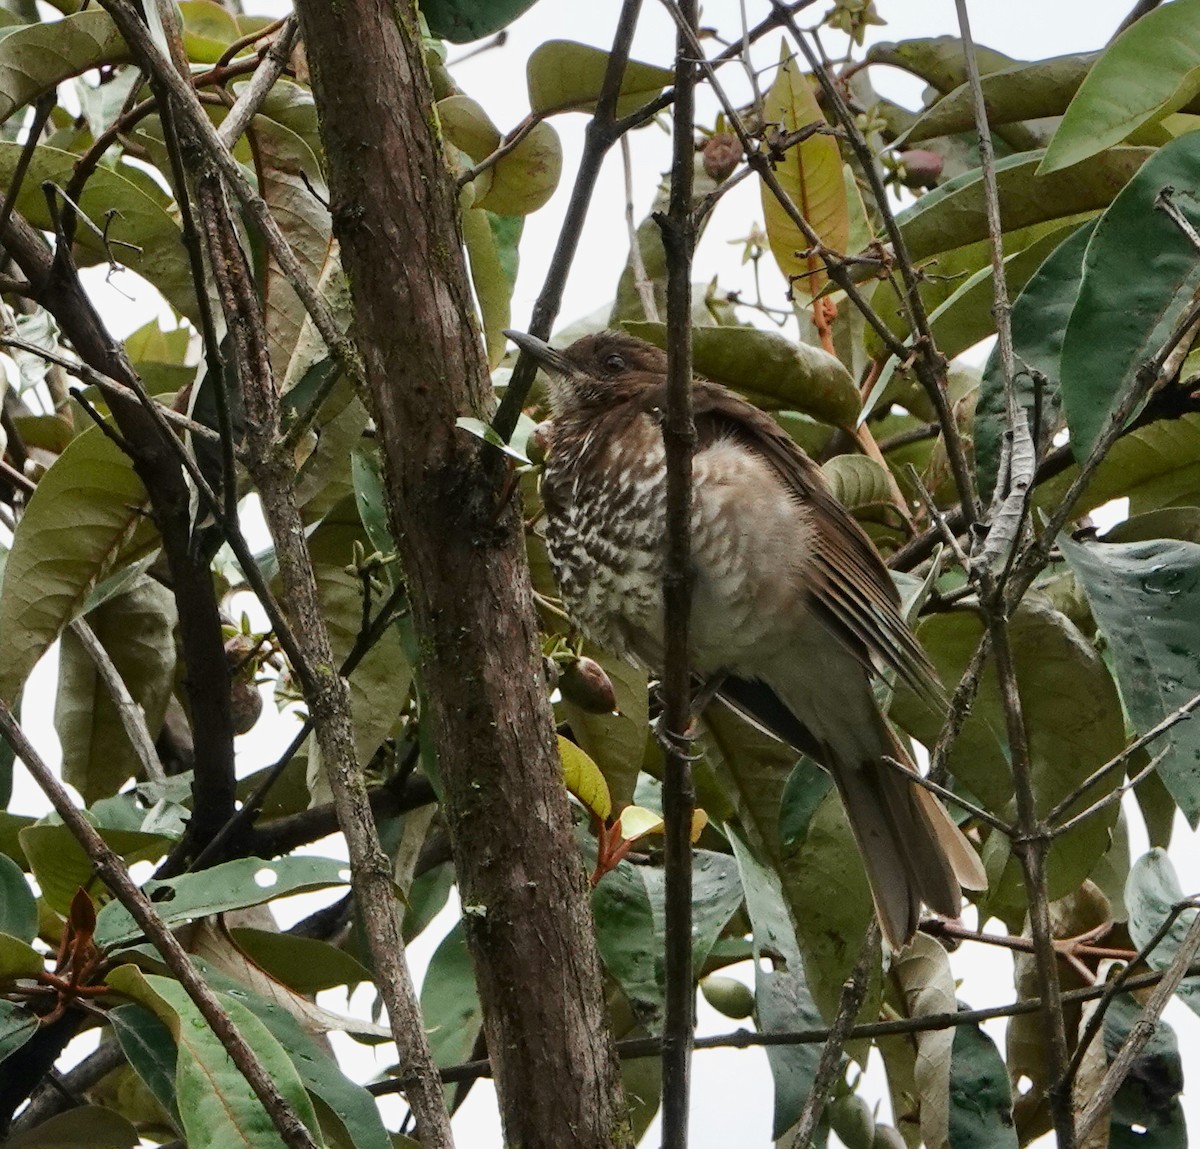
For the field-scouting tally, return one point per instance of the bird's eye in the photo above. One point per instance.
(614, 364)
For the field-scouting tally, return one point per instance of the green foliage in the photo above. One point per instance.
(1103, 643)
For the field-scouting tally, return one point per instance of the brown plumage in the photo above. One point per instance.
(790, 599)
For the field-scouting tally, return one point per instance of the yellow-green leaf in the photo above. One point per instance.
(811, 174)
(567, 77)
(583, 779)
(526, 178)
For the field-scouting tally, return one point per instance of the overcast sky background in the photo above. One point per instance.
(732, 1091)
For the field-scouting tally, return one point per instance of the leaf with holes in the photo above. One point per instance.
(229, 886)
(85, 511)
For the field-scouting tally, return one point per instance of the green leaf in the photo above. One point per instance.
(981, 1107)
(1121, 321)
(18, 959)
(769, 370)
(18, 907)
(61, 866)
(525, 178)
(782, 997)
(1073, 719)
(208, 29)
(860, 484)
(629, 943)
(88, 1127)
(141, 216)
(811, 175)
(36, 58)
(229, 886)
(468, 126)
(582, 778)
(1039, 321)
(449, 1000)
(52, 567)
(1025, 91)
(137, 629)
(17, 1026)
(1146, 601)
(1150, 894)
(567, 77)
(806, 788)
(216, 1103)
(306, 965)
(460, 21)
(1150, 70)
(954, 214)
(150, 1050)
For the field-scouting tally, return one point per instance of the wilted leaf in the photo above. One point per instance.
(811, 175)
(771, 371)
(926, 987)
(1121, 321)
(524, 179)
(52, 566)
(1146, 601)
(567, 77)
(1150, 70)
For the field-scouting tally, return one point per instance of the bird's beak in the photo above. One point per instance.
(546, 357)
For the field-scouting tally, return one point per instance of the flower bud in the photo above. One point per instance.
(586, 683)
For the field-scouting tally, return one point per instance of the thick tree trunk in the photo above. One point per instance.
(520, 878)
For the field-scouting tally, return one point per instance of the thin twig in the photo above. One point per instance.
(1143, 1029)
(949, 796)
(641, 281)
(679, 441)
(41, 113)
(132, 717)
(636, 1047)
(1172, 719)
(1112, 797)
(271, 68)
(111, 870)
(854, 992)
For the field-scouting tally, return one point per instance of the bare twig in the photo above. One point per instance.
(1010, 502)
(1142, 1030)
(112, 872)
(679, 440)
(949, 796)
(1176, 716)
(854, 991)
(1112, 797)
(325, 690)
(271, 68)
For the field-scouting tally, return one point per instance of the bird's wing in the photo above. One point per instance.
(851, 588)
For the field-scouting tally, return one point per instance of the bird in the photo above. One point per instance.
(793, 611)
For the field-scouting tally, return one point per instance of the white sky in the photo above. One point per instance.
(732, 1093)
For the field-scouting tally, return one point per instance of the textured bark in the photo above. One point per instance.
(521, 880)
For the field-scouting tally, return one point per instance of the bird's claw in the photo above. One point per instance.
(678, 744)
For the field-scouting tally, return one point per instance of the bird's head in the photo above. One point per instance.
(594, 370)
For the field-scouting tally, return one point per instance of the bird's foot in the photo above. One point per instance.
(678, 744)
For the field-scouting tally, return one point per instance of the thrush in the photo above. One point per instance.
(791, 603)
